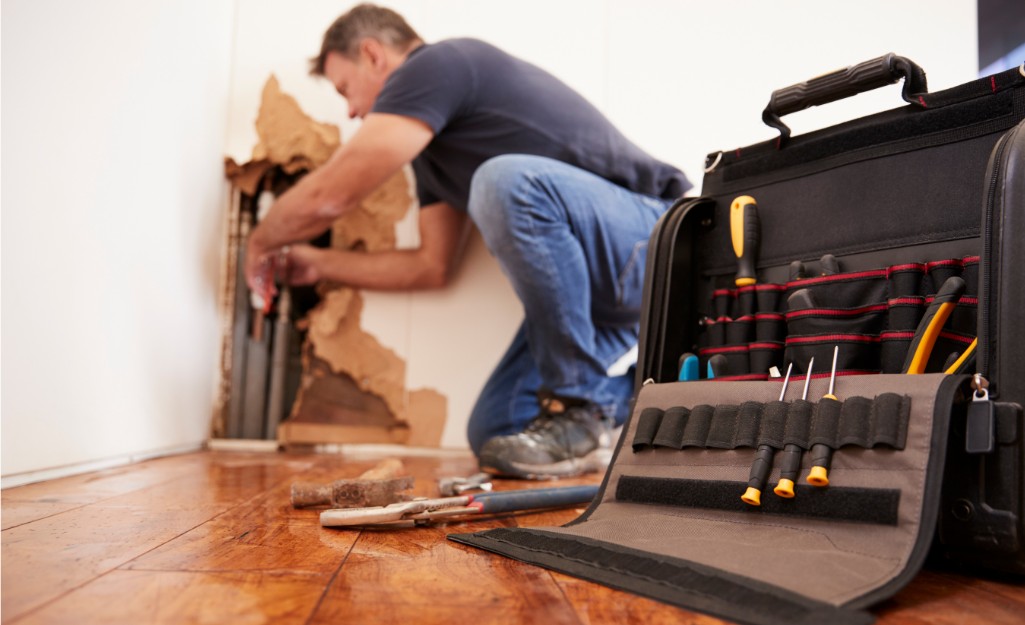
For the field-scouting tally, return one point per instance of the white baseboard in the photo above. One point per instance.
(41, 475)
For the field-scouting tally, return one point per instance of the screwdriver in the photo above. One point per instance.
(762, 465)
(929, 327)
(822, 454)
(746, 236)
(790, 464)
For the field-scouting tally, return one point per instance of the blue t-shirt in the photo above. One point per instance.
(481, 102)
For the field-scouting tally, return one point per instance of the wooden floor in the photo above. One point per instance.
(210, 537)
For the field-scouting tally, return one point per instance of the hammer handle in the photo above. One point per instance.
(305, 494)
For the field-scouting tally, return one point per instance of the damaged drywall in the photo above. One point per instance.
(288, 138)
(352, 387)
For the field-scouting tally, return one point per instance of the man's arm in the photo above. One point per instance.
(382, 145)
(442, 235)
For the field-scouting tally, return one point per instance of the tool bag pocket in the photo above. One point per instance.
(872, 315)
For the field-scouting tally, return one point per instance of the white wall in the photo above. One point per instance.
(115, 123)
(114, 118)
(682, 79)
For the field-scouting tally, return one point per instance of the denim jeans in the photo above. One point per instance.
(573, 245)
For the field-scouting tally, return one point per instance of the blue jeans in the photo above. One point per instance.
(573, 245)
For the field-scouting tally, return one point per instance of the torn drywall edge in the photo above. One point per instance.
(293, 140)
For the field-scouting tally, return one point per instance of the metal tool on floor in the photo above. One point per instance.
(422, 511)
(452, 486)
(382, 485)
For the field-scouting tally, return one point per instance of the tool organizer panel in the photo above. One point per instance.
(858, 421)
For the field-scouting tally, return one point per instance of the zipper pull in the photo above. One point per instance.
(979, 430)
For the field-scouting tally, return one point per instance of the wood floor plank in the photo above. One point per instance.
(46, 558)
(32, 502)
(945, 598)
(161, 597)
(264, 534)
(97, 485)
(15, 513)
(202, 477)
(416, 575)
(212, 538)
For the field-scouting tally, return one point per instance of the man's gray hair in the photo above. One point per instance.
(362, 21)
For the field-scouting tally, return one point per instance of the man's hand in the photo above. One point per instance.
(303, 264)
(260, 270)
(382, 145)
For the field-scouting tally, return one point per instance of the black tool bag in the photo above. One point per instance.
(880, 214)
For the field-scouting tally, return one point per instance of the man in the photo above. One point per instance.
(562, 199)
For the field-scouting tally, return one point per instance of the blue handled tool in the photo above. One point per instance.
(689, 368)
(425, 510)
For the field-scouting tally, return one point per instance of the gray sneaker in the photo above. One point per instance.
(568, 437)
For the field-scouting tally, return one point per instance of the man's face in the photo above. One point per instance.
(358, 81)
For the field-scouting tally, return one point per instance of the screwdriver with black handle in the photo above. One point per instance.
(762, 465)
(790, 459)
(822, 454)
(745, 233)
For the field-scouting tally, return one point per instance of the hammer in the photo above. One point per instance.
(380, 486)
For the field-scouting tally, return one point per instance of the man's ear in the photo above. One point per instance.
(373, 51)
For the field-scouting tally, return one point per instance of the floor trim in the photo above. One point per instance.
(41, 475)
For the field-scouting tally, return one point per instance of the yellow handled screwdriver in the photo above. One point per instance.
(745, 231)
(822, 454)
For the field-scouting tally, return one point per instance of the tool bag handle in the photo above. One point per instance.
(843, 83)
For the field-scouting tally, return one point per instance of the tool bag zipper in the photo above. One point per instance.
(987, 296)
